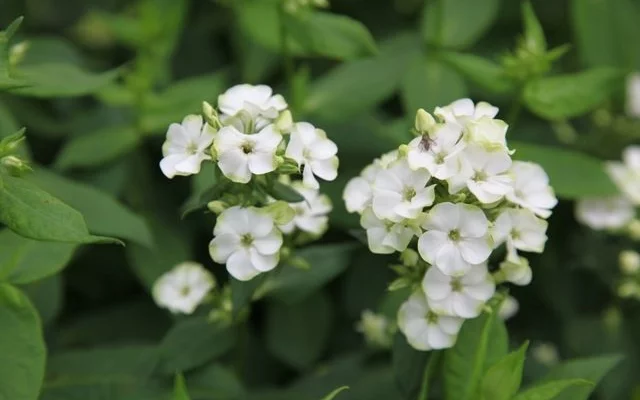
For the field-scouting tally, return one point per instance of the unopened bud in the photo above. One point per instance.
(280, 211)
(284, 122)
(516, 270)
(633, 229)
(545, 353)
(629, 261)
(287, 165)
(403, 150)
(409, 257)
(210, 115)
(628, 289)
(15, 166)
(217, 206)
(10, 143)
(424, 121)
(17, 53)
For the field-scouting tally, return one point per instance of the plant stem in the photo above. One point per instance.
(514, 111)
(429, 371)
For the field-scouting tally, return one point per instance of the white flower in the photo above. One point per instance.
(240, 155)
(463, 110)
(508, 308)
(184, 149)
(456, 238)
(311, 148)
(462, 296)
(385, 237)
(399, 192)
(602, 213)
(358, 192)
(485, 173)
(521, 228)
(633, 95)
(627, 175)
(376, 328)
(183, 288)
(545, 354)
(531, 188)
(437, 152)
(425, 329)
(258, 101)
(311, 215)
(516, 269)
(247, 241)
(489, 133)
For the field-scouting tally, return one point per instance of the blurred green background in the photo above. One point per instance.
(130, 68)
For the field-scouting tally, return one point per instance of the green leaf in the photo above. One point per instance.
(60, 80)
(551, 390)
(481, 343)
(502, 380)
(193, 342)
(97, 148)
(334, 394)
(429, 83)
(22, 349)
(566, 96)
(281, 191)
(408, 366)
(180, 99)
(104, 214)
(308, 33)
(457, 23)
(180, 389)
(331, 35)
(291, 284)
(47, 297)
(488, 75)
(35, 214)
(533, 33)
(24, 260)
(170, 247)
(591, 369)
(242, 292)
(373, 79)
(215, 382)
(603, 30)
(297, 334)
(108, 372)
(567, 170)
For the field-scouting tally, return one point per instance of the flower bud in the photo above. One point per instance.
(284, 122)
(633, 229)
(280, 211)
(409, 257)
(217, 206)
(545, 353)
(17, 53)
(210, 115)
(287, 166)
(628, 289)
(10, 143)
(376, 328)
(424, 121)
(403, 150)
(629, 261)
(15, 166)
(516, 270)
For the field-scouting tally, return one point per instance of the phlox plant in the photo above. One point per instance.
(319, 200)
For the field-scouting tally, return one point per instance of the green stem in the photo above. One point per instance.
(514, 111)
(429, 371)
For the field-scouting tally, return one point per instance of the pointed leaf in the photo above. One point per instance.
(335, 393)
(481, 342)
(551, 390)
(180, 389)
(503, 378)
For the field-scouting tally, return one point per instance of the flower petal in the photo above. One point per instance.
(240, 266)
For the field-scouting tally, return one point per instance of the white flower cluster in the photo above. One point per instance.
(614, 213)
(252, 140)
(455, 193)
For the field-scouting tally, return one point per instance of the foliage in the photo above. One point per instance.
(88, 222)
